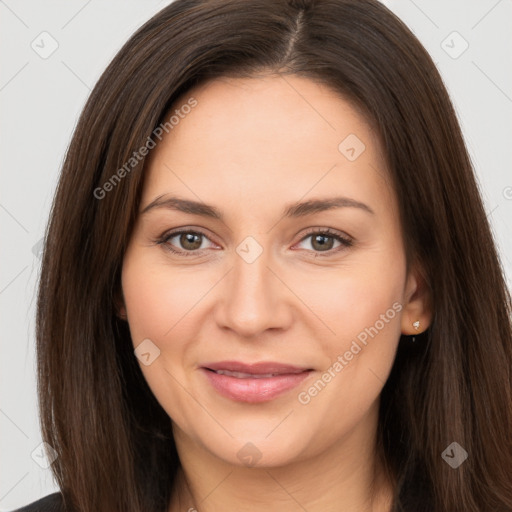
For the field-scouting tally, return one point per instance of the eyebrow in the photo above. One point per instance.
(297, 209)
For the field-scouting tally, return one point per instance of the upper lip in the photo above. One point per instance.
(258, 368)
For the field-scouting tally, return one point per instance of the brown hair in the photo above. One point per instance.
(113, 439)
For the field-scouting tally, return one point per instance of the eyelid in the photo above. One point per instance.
(165, 237)
(344, 239)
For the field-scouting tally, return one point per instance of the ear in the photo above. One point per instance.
(417, 311)
(119, 306)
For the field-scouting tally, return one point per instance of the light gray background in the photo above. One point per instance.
(41, 99)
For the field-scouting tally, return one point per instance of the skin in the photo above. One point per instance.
(250, 147)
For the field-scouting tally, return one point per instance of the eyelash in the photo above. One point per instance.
(344, 241)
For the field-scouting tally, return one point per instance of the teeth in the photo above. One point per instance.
(240, 375)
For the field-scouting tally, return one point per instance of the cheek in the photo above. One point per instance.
(158, 299)
(353, 299)
(147, 300)
(159, 302)
(361, 306)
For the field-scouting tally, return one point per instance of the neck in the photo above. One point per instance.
(347, 476)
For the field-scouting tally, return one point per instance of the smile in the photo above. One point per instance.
(253, 383)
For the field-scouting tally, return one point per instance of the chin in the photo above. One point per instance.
(259, 449)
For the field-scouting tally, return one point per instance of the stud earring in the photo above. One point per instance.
(416, 326)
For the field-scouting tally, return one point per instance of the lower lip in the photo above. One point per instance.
(254, 390)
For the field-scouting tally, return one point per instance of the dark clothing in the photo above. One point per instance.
(51, 503)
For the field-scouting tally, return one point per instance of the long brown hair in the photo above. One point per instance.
(114, 441)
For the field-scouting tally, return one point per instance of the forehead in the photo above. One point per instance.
(256, 110)
(245, 136)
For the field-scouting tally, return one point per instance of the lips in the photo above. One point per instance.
(253, 382)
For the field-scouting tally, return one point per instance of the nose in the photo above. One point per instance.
(253, 299)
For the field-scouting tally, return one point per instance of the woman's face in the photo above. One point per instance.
(300, 328)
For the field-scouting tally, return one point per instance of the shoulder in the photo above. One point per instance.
(51, 503)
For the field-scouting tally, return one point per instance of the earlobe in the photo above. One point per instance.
(121, 313)
(417, 310)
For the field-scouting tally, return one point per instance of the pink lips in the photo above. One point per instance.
(253, 383)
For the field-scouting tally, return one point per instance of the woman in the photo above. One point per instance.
(269, 281)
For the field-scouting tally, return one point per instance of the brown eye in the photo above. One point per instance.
(190, 241)
(324, 241)
(185, 243)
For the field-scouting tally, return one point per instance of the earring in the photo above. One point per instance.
(416, 326)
